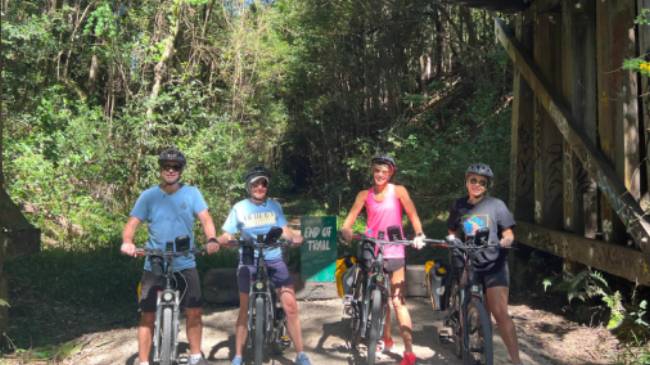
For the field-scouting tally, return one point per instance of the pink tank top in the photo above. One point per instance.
(383, 214)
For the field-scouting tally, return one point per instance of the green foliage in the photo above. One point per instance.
(628, 319)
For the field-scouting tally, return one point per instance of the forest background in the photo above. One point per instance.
(93, 90)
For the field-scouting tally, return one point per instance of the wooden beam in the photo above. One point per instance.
(548, 140)
(579, 91)
(521, 200)
(592, 160)
(618, 119)
(644, 101)
(624, 262)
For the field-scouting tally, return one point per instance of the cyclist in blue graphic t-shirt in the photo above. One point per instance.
(170, 209)
(254, 216)
(479, 210)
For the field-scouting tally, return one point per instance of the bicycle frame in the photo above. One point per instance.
(273, 321)
(168, 301)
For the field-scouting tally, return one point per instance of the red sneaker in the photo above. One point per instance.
(408, 359)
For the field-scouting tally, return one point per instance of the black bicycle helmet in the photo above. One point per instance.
(171, 155)
(256, 173)
(480, 169)
(384, 160)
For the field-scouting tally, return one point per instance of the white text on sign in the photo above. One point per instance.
(313, 232)
(320, 245)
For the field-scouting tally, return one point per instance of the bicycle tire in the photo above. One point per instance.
(259, 331)
(166, 338)
(478, 346)
(375, 323)
(455, 316)
(430, 294)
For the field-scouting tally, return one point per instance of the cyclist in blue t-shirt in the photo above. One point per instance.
(251, 217)
(169, 209)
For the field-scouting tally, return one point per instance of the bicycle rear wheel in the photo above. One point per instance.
(375, 324)
(166, 340)
(478, 348)
(258, 343)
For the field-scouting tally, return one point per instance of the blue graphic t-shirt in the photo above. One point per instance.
(169, 216)
(489, 212)
(252, 219)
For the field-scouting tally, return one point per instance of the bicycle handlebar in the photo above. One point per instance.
(252, 243)
(157, 252)
(361, 237)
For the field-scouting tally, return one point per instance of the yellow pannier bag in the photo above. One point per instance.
(342, 265)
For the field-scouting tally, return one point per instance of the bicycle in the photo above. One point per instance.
(267, 322)
(369, 299)
(467, 315)
(166, 325)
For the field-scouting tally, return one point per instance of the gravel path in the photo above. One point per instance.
(545, 339)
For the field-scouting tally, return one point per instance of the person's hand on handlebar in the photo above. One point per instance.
(418, 241)
(347, 234)
(212, 246)
(296, 240)
(128, 248)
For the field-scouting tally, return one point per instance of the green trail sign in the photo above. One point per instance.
(318, 251)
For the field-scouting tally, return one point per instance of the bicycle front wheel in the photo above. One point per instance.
(375, 324)
(259, 330)
(166, 340)
(477, 335)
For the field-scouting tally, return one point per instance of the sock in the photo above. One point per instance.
(194, 358)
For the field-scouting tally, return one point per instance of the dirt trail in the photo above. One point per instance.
(545, 339)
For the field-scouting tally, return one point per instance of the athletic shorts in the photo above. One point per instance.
(276, 269)
(186, 281)
(499, 275)
(393, 264)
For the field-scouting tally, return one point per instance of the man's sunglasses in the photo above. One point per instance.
(171, 167)
(474, 181)
(261, 182)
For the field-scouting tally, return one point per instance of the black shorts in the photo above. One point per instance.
(393, 264)
(499, 275)
(187, 283)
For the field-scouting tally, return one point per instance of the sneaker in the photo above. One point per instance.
(236, 360)
(302, 359)
(385, 345)
(408, 359)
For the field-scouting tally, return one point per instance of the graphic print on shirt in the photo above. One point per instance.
(474, 222)
(258, 219)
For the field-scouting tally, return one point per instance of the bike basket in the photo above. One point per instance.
(248, 255)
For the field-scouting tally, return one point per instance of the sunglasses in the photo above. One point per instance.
(474, 181)
(171, 167)
(262, 182)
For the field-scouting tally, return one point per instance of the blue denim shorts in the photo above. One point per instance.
(277, 270)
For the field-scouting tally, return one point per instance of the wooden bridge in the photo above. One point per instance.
(580, 175)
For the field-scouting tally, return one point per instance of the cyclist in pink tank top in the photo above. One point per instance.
(384, 203)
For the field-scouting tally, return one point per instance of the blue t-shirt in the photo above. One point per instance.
(169, 216)
(252, 219)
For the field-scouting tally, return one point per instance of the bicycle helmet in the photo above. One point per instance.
(171, 155)
(480, 169)
(255, 174)
(384, 160)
